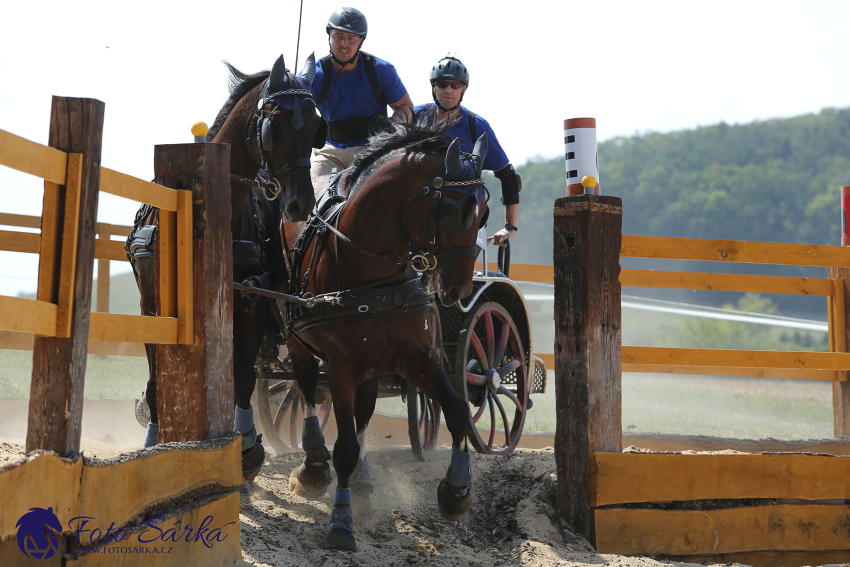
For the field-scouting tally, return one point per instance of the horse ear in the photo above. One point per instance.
(481, 146)
(309, 70)
(278, 74)
(454, 167)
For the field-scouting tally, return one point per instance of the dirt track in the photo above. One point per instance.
(510, 523)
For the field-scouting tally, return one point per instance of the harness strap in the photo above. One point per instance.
(369, 65)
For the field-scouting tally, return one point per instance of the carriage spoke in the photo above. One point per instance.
(281, 410)
(509, 394)
(477, 379)
(490, 334)
(479, 350)
(504, 421)
(420, 400)
(293, 421)
(492, 420)
(480, 411)
(503, 342)
(512, 365)
(279, 387)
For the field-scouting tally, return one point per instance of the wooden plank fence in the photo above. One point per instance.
(185, 482)
(766, 509)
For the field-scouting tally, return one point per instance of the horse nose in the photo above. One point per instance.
(297, 210)
(451, 296)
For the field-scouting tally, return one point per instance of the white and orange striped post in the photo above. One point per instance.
(581, 155)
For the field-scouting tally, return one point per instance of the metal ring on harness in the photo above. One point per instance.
(363, 308)
(425, 264)
(277, 189)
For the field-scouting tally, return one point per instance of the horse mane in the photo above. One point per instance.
(418, 136)
(239, 84)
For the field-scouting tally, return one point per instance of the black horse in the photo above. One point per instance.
(368, 314)
(271, 122)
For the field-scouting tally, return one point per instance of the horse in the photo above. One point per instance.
(363, 310)
(263, 122)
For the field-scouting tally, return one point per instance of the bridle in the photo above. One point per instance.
(262, 124)
(445, 214)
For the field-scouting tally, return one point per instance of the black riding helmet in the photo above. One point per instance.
(349, 20)
(448, 69)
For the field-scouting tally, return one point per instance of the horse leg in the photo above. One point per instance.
(313, 476)
(364, 407)
(249, 317)
(145, 272)
(345, 456)
(454, 494)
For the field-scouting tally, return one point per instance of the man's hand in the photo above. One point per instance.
(502, 236)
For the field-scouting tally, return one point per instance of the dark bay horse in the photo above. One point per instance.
(370, 316)
(270, 121)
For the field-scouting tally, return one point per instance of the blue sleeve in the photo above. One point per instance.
(496, 158)
(390, 82)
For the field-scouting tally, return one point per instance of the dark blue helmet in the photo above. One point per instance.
(349, 20)
(449, 69)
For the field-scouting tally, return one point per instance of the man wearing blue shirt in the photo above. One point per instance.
(353, 89)
(449, 81)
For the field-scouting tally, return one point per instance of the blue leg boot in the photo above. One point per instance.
(152, 434)
(454, 495)
(253, 454)
(341, 535)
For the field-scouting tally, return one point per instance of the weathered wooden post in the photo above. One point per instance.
(588, 341)
(841, 388)
(194, 387)
(65, 271)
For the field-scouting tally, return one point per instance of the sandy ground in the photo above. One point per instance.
(513, 520)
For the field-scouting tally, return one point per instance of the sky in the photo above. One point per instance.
(634, 66)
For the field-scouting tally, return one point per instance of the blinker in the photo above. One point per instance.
(266, 134)
(448, 214)
(438, 182)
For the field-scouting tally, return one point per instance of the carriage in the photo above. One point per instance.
(492, 324)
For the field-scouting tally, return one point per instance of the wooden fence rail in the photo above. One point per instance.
(193, 331)
(760, 509)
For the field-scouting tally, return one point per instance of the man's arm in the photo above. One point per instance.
(403, 108)
(511, 209)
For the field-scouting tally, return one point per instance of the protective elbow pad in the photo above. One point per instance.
(511, 184)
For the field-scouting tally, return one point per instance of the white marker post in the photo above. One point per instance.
(581, 155)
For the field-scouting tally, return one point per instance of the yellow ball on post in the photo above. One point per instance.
(200, 128)
(200, 131)
(588, 181)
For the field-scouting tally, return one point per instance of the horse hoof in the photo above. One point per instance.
(340, 540)
(362, 487)
(310, 482)
(452, 507)
(252, 460)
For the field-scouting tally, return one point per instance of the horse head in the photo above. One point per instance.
(458, 209)
(288, 126)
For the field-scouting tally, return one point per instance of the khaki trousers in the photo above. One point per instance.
(329, 157)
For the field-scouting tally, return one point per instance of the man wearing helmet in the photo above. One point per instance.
(353, 89)
(449, 81)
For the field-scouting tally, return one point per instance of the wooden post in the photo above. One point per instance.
(841, 388)
(104, 231)
(59, 364)
(588, 342)
(194, 382)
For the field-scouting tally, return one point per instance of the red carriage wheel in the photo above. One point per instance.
(491, 374)
(281, 406)
(423, 423)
